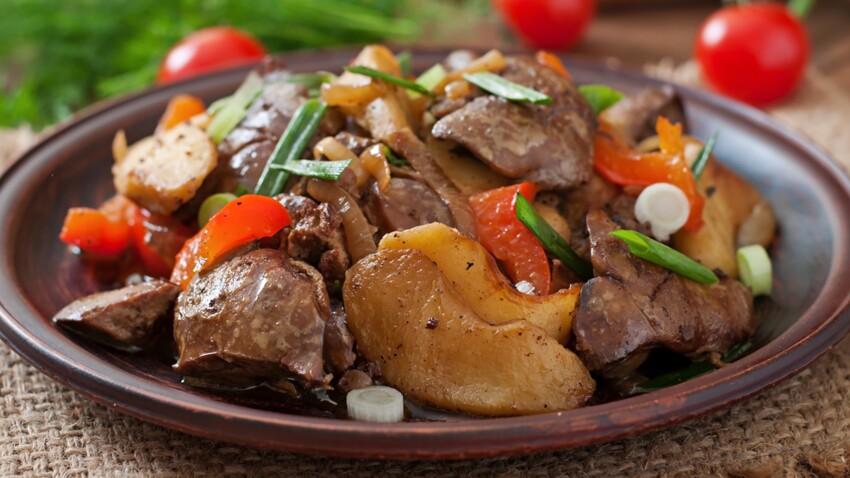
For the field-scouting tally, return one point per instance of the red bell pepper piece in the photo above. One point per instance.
(501, 233)
(617, 162)
(93, 231)
(180, 108)
(241, 221)
(156, 240)
(551, 60)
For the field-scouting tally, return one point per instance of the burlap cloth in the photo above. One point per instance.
(799, 428)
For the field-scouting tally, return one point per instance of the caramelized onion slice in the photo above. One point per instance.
(374, 160)
(359, 234)
(332, 149)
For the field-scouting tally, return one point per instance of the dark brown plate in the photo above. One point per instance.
(805, 317)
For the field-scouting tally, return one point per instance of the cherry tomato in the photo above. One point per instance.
(551, 24)
(207, 50)
(753, 52)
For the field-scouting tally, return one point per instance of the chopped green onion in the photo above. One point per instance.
(430, 79)
(212, 205)
(395, 160)
(507, 89)
(704, 154)
(290, 146)
(600, 97)
(800, 8)
(328, 170)
(392, 79)
(230, 114)
(693, 370)
(665, 256)
(312, 81)
(550, 238)
(376, 403)
(404, 59)
(217, 105)
(755, 269)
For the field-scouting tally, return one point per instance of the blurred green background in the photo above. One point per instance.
(57, 57)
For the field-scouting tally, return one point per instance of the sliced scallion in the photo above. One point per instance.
(375, 404)
(212, 205)
(290, 146)
(430, 79)
(600, 97)
(230, 114)
(704, 154)
(506, 89)
(550, 238)
(755, 269)
(395, 160)
(404, 58)
(665, 256)
(392, 79)
(327, 170)
(693, 370)
(312, 81)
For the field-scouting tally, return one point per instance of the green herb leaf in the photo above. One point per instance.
(232, 113)
(291, 146)
(693, 370)
(550, 238)
(507, 89)
(430, 79)
(704, 155)
(600, 97)
(404, 58)
(327, 170)
(395, 160)
(380, 75)
(665, 256)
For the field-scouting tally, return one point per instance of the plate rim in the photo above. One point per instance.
(492, 437)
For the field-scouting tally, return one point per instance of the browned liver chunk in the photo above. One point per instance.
(551, 145)
(128, 318)
(633, 306)
(258, 317)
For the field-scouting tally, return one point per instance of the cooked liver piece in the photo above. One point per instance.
(339, 343)
(551, 145)
(258, 317)
(128, 318)
(635, 115)
(404, 204)
(244, 151)
(633, 306)
(316, 236)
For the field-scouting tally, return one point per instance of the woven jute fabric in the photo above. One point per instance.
(799, 428)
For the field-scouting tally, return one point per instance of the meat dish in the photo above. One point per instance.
(487, 238)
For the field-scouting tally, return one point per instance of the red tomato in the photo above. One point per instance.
(551, 24)
(207, 50)
(501, 233)
(753, 52)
